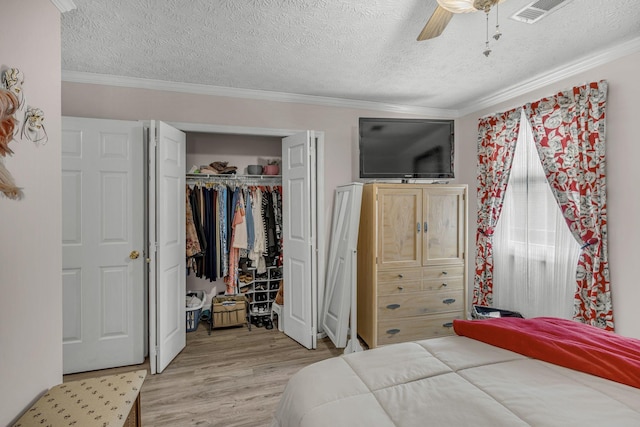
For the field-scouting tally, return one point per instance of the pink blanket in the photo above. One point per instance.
(562, 342)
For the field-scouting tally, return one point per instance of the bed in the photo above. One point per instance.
(475, 379)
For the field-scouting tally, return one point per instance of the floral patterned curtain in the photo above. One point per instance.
(569, 131)
(497, 136)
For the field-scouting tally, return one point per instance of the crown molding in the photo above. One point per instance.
(262, 95)
(64, 5)
(541, 80)
(537, 82)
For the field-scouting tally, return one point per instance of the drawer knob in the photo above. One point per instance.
(400, 276)
(444, 285)
(393, 306)
(393, 331)
(444, 273)
(447, 325)
(448, 301)
(401, 288)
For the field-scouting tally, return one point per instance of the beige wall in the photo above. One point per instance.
(623, 154)
(30, 229)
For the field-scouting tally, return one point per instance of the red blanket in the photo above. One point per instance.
(562, 342)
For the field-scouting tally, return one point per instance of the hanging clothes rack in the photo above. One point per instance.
(212, 201)
(234, 180)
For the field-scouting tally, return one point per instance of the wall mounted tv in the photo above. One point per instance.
(406, 148)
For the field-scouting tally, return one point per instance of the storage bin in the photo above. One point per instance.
(229, 310)
(483, 312)
(193, 313)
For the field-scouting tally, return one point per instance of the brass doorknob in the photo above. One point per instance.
(134, 254)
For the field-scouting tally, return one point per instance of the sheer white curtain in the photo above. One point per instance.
(535, 254)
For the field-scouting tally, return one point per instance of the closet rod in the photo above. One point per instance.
(235, 179)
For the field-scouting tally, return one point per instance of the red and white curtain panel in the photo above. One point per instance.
(569, 132)
(497, 136)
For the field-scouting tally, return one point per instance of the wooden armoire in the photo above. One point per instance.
(412, 264)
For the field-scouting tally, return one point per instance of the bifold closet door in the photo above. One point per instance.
(167, 263)
(299, 225)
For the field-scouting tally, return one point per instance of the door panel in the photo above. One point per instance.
(300, 280)
(445, 226)
(103, 288)
(170, 264)
(400, 216)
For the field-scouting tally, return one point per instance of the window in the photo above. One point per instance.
(535, 255)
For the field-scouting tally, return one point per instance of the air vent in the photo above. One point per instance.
(537, 10)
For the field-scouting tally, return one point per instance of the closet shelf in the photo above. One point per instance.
(234, 180)
(232, 177)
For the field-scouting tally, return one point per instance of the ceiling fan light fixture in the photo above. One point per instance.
(457, 6)
(466, 6)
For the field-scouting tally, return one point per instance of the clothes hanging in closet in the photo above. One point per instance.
(226, 224)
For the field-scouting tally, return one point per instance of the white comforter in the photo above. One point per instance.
(452, 381)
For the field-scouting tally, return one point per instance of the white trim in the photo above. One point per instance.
(200, 89)
(553, 76)
(236, 130)
(64, 5)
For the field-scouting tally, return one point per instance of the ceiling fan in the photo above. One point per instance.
(445, 11)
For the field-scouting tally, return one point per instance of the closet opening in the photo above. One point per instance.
(232, 167)
(301, 260)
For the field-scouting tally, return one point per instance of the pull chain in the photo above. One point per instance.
(487, 49)
(497, 34)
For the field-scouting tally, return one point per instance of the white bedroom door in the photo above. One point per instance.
(167, 264)
(102, 242)
(299, 239)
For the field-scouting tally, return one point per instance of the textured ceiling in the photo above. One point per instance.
(363, 50)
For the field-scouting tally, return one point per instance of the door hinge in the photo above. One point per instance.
(153, 142)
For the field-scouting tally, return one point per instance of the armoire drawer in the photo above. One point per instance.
(419, 303)
(404, 275)
(416, 328)
(443, 284)
(399, 281)
(439, 272)
(394, 288)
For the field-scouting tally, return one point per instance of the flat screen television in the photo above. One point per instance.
(406, 148)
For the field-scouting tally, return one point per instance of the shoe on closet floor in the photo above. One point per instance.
(268, 323)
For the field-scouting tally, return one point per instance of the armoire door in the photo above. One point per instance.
(102, 242)
(400, 223)
(444, 226)
(300, 265)
(167, 263)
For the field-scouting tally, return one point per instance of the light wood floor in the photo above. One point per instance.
(233, 377)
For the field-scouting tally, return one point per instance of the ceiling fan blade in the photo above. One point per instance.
(436, 24)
